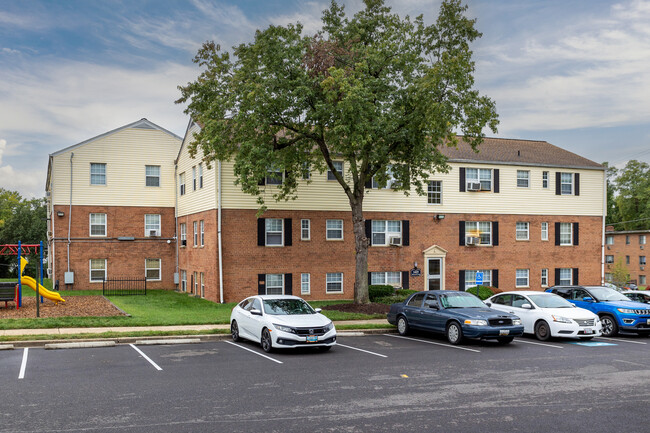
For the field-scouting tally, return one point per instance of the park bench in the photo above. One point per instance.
(8, 292)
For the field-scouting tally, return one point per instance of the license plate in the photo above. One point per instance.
(312, 338)
(588, 331)
(504, 332)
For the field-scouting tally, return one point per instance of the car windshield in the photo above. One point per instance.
(607, 294)
(460, 300)
(545, 301)
(284, 307)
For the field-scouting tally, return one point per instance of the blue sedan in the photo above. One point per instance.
(456, 314)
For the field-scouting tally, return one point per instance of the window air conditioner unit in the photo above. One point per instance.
(473, 186)
(184, 242)
(472, 240)
(641, 246)
(395, 240)
(153, 233)
(643, 268)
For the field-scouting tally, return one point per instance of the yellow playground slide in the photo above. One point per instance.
(30, 282)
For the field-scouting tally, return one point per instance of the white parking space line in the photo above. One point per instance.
(23, 365)
(539, 344)
(146, 357)
(622, 340)
(433, 342)
(362, 350)
(256, 353)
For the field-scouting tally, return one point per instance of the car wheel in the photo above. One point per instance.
(610, 327)
(402, 325)
(542, 331)
(454, 333)
(267, 343)
(505, 340)
(234, 330)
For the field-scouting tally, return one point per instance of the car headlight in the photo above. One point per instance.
(561, 319)
(284, 328)
(516, 321)
(476, 322)
(626, 311)
(328, 327)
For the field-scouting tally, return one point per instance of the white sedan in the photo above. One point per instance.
(548, 315)
(281, 321)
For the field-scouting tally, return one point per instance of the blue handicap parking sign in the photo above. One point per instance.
(594, 344)
(479, 278)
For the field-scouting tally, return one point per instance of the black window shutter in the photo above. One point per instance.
(288, 284)
(286, 175)
(369, 184)
(557, 276)
(576, 234)
(558, 183)
(261, 232)
(369, 231)
(287, 232)
(405, 233)
(575, 276)
(369, 278)
(461, 281)
(462, 179)
(405, 279)
(496, 179)
(577, 183)
(557, 233)
(495, 278)
(495, 233)
(262, 181)
(261, 284)
(461, 233)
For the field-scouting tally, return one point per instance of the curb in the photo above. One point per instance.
(79, 345)
(168, 341)
(6, 346)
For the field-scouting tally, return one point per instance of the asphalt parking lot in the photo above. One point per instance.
(370, 383)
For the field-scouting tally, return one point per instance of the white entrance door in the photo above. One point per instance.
(434, 274)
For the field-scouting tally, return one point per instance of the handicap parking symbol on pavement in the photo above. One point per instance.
(594, 344)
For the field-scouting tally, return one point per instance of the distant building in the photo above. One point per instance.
(630, 247)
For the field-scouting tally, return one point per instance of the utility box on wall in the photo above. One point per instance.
(68, 278)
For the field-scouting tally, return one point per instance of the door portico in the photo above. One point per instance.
(434, 268)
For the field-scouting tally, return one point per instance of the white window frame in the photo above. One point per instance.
(200, 175)
(194, 178)
(147, 269)
(333, 229)
(338, 166)
(545, 179)
(522, 231)
(523, 178)
(564, 234)
(482, 175)
(305, 229)
(183, 280)
(642, 280)
(390, 179)
(470, 277)
(483, 234)
(274, 177)
(332, 278)
(642, 239)
(181, 184)
(152, 224)
(273, 231)
(566, 179)
(609, 277)
(544, 231)
(609, 258)
(195, 286)
(96, 270)
(195, 226)
(385, 232)
(98, 173)
(563, 280)
(268, 285)
(609, 240)
(97, 224)
(183, 229)
(544, 277)
(434, 192)
(642, 261)
(202, 285)
(305, 284)
(148, 175)
(389, 278)
(522, 278)
(202, 232)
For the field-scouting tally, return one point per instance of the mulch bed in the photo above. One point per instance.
(78, 306)
(372, 308)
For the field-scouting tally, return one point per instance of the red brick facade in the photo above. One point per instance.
(632, 249)
(125, 258)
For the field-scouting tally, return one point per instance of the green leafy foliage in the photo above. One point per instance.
(378, 291)
(399, 296)
(628, 196)
(483, 292)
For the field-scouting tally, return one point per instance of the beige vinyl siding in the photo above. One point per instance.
(203, 198)
(125, 153)
(322, 194)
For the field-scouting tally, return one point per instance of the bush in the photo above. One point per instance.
(484, 292)
(380, 291)
(399, 296)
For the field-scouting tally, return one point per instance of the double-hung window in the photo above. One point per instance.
(523, 178)
(194, 178)
(482, 175)
(274, 176)
(566, 183)
(566, 277)
(152, 225)
(183, 234)
(480, 229)
(383, 231)
(97, 224)
(183, 281)
(202, 228)
(152, 269)
(97, 173)
(152, 175)
(545, 179)
(97, 270)
(274, 284)
(522, 231)
(334, 230)
(641, 239)
(609, 240)
(544, 231)
(566, 234)
(338, 166)
(274, 231)
(305, 230)
(305, 284)
(201, 175)
(545, 277)
(386, 278)
(521, 278)
(470, 277)
(196, 233)
(334, 282)
(642, 260)
(434, 192)
(609, 258)
(181, 184)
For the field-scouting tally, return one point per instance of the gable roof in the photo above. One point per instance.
(519, 152)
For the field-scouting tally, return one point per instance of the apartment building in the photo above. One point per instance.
(629, 248)
(111, 208)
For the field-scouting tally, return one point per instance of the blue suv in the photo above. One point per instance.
(616, 311)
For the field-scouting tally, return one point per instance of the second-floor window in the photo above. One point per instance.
(480, 229)
(200, 175)
(566, 234)
(641, 239)
(523, 177)
(544, 231)
(522, 231)
(338, 166)
(194, 178)
(183, 234)
(566, 183)
(152, 175)
(482, 175)
(152, 225)
(434, 192)
(545, 179)
(97, 224)
(305, 230)
(97, 174)
(274, 231)
(181, 183)
(642, 260)
(609, 240)
(609, 258)
(383, 231)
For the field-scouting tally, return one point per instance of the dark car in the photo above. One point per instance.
(456, 314)
(616, 311)
(637, 296)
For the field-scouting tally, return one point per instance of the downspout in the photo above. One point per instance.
(70, 210)
(176, 220)
(602, 242)
(219, 231)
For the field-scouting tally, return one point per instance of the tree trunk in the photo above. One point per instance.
(361, 243)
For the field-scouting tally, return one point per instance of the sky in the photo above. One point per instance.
(575, 73)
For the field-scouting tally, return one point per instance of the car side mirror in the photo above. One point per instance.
(527, 306)
(256, 312)
(318, 310)
(588, 299)
(489, 304)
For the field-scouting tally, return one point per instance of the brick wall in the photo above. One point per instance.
(620, 249)
(196, 258)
